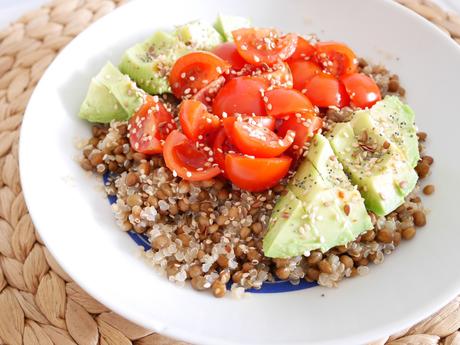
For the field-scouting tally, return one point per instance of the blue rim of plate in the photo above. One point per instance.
(267, 287)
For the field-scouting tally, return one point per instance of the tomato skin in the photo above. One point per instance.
(180, 155)
(195, 119)
(193, 71)
(149, 126)
(302, 72)
(282, 102)
(335, 58)
(252, 45)
(256, 174)
(305, 128)
(240, 95)
(324, 91)
(362, 89)
(258, 141)
(228, 52)
(220, 147)
(206, 94)
(304, 50)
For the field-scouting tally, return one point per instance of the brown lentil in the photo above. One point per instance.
(199, 283)
(325, 266)
(408, 233)
(422, 136)
(428, 189)
(419, 218)
(132, 179)
(218, 289)
(312, 274)
(314, 258)
(282, 273)
(422, 169)
(96, 158)
(385, 235)
(160, 242)
(347, 261)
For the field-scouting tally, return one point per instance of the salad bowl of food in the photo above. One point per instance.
(263, 157)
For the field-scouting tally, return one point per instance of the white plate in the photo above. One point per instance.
(76, 222)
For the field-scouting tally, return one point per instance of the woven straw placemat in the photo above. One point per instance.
(39, 303)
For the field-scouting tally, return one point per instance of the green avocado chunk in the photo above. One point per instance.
(321, 210)
(226, 24)
(149, 63)
(396, 120)
(111, 96)
(375, 164)
(199, 35)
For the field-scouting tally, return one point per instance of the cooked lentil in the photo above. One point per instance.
(209, 231)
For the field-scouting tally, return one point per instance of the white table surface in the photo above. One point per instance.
(10, 10)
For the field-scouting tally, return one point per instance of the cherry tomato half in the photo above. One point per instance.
(206, 94)
(182, 156)
(195, 119)
(282, 102)
(240, 95)
(264, 46)
(335, 58)
(149, 126)
(324, 90)
(304, 50)
(255, 140)
(220, 147)
(302, 71)
(194, 71)
(256, 174)
(363, 90)
(305, 127)
(228, 52)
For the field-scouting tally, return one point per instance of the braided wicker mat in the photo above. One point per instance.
(39, 303)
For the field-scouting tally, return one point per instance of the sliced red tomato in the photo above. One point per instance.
(363, 90)
(195, 119)
(220, 147)
(304, 50)
(324, 90)
(264, 46)
(241, 95)
(194, 71)
(268, 122)
(183, 157)
(254, 140)
(150, 126)
(282, 102)
(206, 94)
(256, 174)
(302, 71)
(279, 75)
(305, 127)
(335, 58)
(228, 52)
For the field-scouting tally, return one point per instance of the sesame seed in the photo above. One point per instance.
(256, 58)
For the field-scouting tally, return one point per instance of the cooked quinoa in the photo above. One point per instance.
(211, 232)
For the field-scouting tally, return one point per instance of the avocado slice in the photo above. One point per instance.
(149, 63)
(226, 24)
(348, 200)
(100, 105)
(122, 87)
(287, 235)
(111, 96)
(375, 165)
(321, 209)
(199, 35)
(397, 123)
